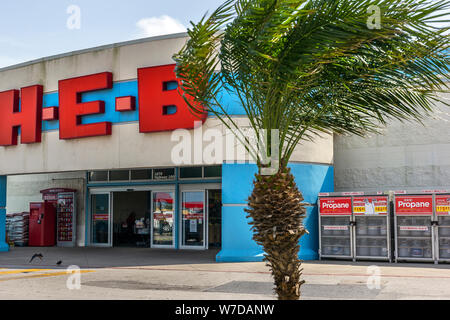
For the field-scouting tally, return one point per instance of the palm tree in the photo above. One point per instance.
(306, 68)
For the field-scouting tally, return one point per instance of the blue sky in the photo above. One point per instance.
(36, 29)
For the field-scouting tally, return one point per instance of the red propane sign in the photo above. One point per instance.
(335, 206)
(414, 205)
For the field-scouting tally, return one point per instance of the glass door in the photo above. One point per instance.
(100, 220)
(214, 218)
(163, 220)
(193, 222)
(131, 212)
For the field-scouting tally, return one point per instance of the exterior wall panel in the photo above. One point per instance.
(237, 242)
(405, 156)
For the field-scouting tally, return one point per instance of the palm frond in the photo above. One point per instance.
(308, 67)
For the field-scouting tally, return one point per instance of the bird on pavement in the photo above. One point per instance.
(36, 255)
(59, 263)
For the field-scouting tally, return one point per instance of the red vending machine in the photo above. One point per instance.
(64, 200)
(42, 225)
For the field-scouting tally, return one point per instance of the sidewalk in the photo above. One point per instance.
(89, 257)
(123, 273)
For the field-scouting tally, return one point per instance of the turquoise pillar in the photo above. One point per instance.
(3, 245)
(237, 242)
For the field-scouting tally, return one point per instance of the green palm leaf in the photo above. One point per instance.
(299, 65)
(307, 68)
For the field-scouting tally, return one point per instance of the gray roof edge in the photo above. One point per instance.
(102, 47)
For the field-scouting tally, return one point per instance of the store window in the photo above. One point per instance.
(213, 172)
(119, 175)
(159, 174)
(191, 172)
(98, 176)
(164, 174)
(145, 174)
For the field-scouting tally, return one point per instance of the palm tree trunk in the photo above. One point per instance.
(277, 222)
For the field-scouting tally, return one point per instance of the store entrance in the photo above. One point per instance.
(153, 218)
(200, 218)
(131, 218)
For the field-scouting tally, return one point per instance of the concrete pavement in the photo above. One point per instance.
(124, 273)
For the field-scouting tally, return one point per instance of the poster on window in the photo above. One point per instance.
(370, 205)
(443, 205)
(193, 226)
(101, 217)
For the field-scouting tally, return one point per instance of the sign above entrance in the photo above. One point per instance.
(164, 174)
(161, 107)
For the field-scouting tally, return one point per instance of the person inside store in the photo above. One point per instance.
(130, 226)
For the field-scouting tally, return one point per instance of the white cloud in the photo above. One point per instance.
(156, 26)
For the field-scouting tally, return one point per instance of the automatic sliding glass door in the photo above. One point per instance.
(193, 222)
(163, 220)
(100, 220)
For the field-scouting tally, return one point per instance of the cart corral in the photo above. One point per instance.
(390, 226)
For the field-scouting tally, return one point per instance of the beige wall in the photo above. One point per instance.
(126, 147)
(406, 156)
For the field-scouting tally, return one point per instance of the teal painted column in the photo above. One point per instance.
(3, 245)
(237, 242)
